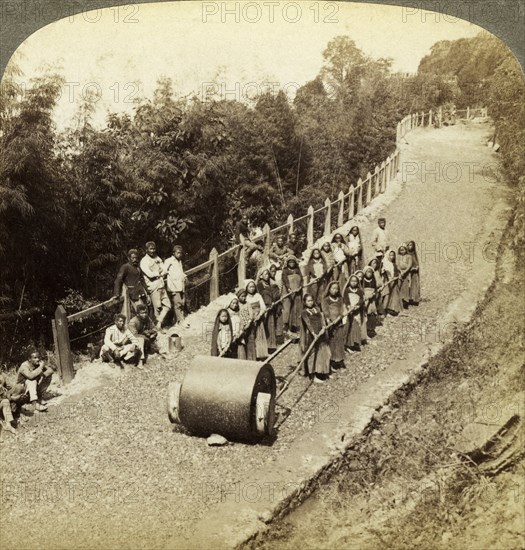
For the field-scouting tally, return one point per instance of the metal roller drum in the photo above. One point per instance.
(230, 397)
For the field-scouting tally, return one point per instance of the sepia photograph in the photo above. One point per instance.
(262, 275)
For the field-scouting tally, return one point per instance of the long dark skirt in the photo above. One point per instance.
(279, 326)
(415, 287)
(337, 343)
(238, 350)
(292, 309)
(261, 344)
(251, 350)
(392, 300)
(354, 330)
(270, 328)
(404, 289)
(318, 361)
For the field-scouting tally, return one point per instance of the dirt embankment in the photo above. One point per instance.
(408, 482)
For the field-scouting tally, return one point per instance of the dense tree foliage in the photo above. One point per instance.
(72, 202)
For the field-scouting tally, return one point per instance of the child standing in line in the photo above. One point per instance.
(222, 335)
(334, 310)
(313, 323)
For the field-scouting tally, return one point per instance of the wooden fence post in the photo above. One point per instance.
(369, 179)
(388, 172)
(398, 133)
(241, 266)
(289, 221)
(214, 278)
(328, 217)
(341, 215)
(468, 113)
(430, 117)
(351, 203)
(377, 180)
(382, 181)
(267, 243)
(310, 228)
(62, 345)
(359, 195)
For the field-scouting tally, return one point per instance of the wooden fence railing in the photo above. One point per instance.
(347, 206)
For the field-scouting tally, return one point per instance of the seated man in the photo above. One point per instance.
(119, 343)
(280, 251)
(35, 376)
(143, 329)
(10, 396)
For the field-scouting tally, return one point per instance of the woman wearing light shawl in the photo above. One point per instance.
(391, 300)
(278, 309)
(353, 297)
(313, 323)
(415, 285)
(222, 335)
(292, 305)
(369, 294)
(334, 309)
(341, 256)
(355, 249)
(256, 337)
(316, 271)
(376, 266)
(404, 264)
(239, 318)
(264, 287)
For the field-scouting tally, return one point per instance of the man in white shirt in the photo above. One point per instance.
(120, 344)
(152, 268)
(176, 281)
(380, 239)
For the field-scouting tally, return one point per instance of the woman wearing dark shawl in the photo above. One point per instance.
(278, 309)
(264, 287)
(354, 302)
(415, 284)
(222, 334)
(391, 298)
(256, 334)
(370, 297)
(313, 323)
(292, 306)
(404, 264)
(355, 248)
(316, 270)
(376, 266)
(334, 309)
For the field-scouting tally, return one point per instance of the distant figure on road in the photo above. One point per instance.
(152, 268)
(415, 285)
(129, 274)
(380, 242)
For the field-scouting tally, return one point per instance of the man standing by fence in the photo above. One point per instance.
(176, 281)
(380, 239)
(152, 268)
(129, 274)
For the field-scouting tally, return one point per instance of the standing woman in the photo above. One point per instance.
(222, 335)
(277, 309)
(316, 271)
(264, 287)
(313, 323)
(334, 310)
(328, 257)
(292, 306)
(341, 256)
(354, 303)
(364, 315)
(355, 247)
(391, 298)
(245, 313)
(415, 285)
(369, 295)
(256, 335)
(404, 264)
(376, 267)
(238, 346)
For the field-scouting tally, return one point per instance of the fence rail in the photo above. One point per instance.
(345, 207)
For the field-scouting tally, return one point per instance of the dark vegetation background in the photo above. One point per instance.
(182, 170)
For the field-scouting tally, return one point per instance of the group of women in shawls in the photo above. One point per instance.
(336, 301)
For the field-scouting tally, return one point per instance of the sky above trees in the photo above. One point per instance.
(119, 53)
